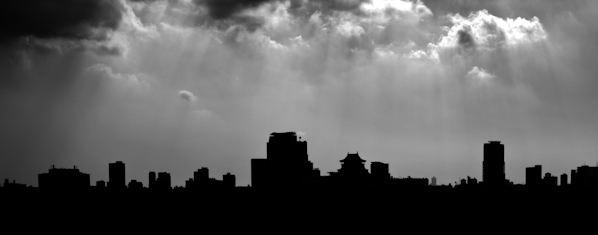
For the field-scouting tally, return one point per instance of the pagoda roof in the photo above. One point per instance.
(352, 157)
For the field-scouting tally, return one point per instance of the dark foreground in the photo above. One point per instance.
(246, 209)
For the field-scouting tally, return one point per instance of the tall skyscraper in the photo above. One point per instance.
(494, 163)
(286, 162)
(116, 177)
(286, 147)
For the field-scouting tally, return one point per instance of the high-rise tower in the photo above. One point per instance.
(494, 163)
(286, 163)
(116, 177)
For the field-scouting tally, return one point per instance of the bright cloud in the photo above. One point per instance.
(480, 75)
(489, 32)
(383, 7)
(349, 29)
(131, 80)
(187, 95)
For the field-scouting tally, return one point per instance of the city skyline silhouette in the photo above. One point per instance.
(286, 186)
(287, 167)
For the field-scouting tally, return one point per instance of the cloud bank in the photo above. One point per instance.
(85, 19)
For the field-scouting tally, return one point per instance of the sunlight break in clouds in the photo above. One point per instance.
(349, 29)
(488, 31)
(126, 79)
(382, 7)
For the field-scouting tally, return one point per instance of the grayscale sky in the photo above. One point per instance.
(176, 85)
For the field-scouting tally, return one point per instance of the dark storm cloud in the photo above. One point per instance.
(465, 40)
(72, 19)
(224, 14)
(223, 9)
(326, 6)
(220, 14)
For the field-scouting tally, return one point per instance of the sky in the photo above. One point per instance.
(176, 85)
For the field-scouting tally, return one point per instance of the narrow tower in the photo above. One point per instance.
(494, 163)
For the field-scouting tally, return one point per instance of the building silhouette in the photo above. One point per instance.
(201, 180)
(202, 174)
(135, 185)
(116, 177)
(13, 185)
(494, 164)
(433, 183)
(379, 171)
(259, 173)
(472, 181)
(564, 180)
(163, 181)
(533, 175)
(229, 180)
(585, 176)
(550, 180)
(286, 163)
(409, 183)
(353, 168)
(100, 184)
(63, 178)
(152, 180)
(190, 184)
